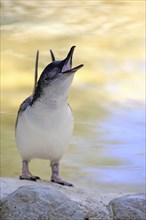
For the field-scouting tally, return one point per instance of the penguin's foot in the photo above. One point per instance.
(26, 175)
(60, 181)
(55, 175)
(29, 177)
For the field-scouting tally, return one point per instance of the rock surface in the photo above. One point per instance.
(47, 201)
(39, 202)
(132, 207)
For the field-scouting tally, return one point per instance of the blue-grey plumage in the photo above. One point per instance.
(45, 122)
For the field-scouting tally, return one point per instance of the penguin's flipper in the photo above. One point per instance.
(52, 55)
(36, 71)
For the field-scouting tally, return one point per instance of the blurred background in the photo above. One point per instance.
(107, 95)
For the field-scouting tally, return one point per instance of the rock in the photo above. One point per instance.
(92, 203)
(39, 203)
(51, 201)
(132, 207)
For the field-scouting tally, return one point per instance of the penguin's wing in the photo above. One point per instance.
(52, 55)
(27, 102)
(36, 72)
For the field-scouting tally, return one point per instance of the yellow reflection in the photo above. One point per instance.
(109, 36)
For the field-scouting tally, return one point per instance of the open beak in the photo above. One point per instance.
(67, 66)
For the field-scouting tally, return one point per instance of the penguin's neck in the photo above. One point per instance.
(53, 96)
(51, 101)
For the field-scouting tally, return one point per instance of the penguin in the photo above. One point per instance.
(45, 121)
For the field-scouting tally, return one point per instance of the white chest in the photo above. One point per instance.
(44, 133)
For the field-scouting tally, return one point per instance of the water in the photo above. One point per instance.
(107, 95)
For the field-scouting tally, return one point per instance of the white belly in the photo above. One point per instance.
(44, 134)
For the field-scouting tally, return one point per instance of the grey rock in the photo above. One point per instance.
(45, 200)
(39, 203)
(92, 203)
(132, 207)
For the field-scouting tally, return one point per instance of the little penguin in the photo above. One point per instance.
(45, 122)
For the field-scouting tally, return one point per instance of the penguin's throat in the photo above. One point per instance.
(54, 103)
(51, 101)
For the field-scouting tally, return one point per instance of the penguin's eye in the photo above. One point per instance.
(49, 78)
(46, 79)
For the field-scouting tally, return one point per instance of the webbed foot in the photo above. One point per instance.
(60, 181)
(29, 177)
(55, 175)
(26, 175)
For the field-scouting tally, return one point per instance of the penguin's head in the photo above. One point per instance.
(57, 76)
